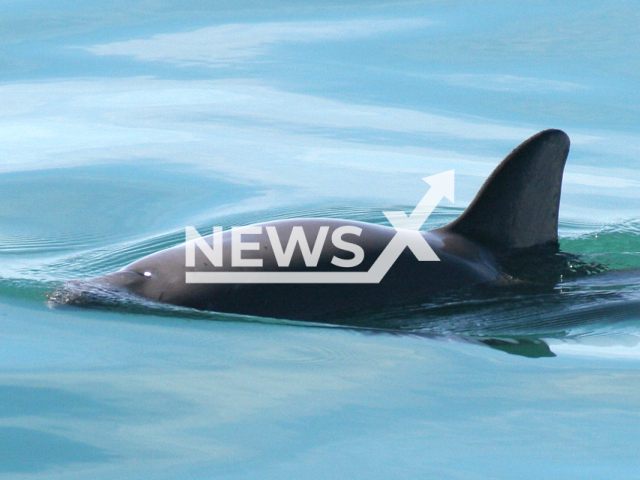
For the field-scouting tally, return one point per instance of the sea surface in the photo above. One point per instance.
(123, 122)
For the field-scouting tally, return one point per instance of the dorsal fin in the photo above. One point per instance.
(517, 207)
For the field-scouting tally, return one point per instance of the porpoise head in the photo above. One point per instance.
(148, 277)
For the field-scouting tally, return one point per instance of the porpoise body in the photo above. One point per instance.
(516, 210)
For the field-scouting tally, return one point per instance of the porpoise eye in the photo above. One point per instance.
(147, 274)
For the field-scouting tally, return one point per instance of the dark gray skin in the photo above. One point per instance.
(462, 262)
(517, 208)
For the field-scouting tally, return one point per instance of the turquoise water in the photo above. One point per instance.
(123, 122)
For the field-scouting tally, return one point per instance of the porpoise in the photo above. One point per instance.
(515, 212)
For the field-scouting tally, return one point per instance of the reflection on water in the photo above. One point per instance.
(241, 399)
(122, 123)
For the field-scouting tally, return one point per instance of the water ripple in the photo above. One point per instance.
(34, 266)
(310, 354)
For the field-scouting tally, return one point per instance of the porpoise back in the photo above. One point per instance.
(516, 209)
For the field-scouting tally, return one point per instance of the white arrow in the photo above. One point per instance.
(442, 185)
(407, 236)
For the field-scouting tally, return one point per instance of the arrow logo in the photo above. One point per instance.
(442, 185)
(407, 236)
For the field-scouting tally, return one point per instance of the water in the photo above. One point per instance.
(120, 124)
